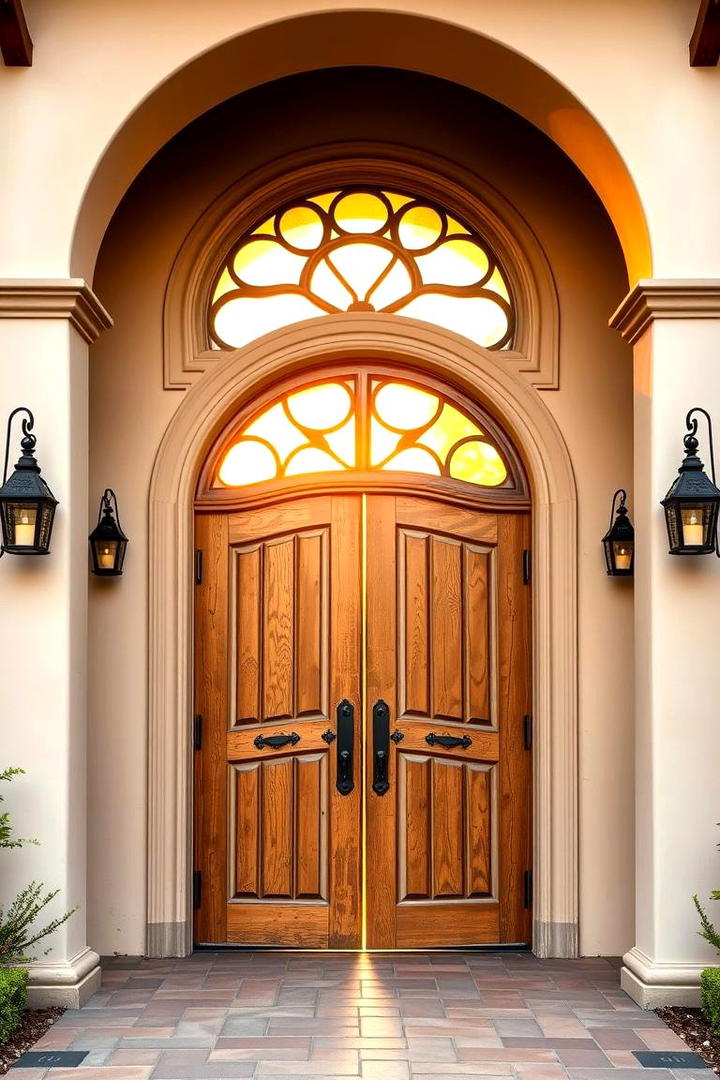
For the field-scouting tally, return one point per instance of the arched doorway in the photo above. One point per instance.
(362, 670)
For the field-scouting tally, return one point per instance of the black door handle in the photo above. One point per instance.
(345, 737)
(448, 740)
(276, 741)
(381, 747)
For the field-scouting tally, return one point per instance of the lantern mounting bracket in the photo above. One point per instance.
(691, 445)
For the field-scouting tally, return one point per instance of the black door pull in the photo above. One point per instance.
(448, 740)
(345, 737)
(276, 741)
(381, 747)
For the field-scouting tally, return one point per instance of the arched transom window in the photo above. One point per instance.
(363, 422)
(361, 250)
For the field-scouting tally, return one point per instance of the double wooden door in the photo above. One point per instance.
(362, 765)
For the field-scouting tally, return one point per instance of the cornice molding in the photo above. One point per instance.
(55, 298)
(671, 298)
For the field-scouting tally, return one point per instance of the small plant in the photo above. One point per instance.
(13, 999)
(710, 995)
(17, 936)
(707, 930)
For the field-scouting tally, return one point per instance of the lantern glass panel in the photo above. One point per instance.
(622, 554)
(105, 554)
(695, 521)
(22, 520)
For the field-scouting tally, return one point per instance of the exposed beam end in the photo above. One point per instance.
(705, 41)
(15, 41)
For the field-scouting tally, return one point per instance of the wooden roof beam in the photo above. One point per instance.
(15, 41)
(705, 41)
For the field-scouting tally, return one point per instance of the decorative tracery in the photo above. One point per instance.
(361, 250)
(368, 423)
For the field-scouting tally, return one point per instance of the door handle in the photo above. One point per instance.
(448, 740)
(276, 741)
(381, 747)
(345, 739)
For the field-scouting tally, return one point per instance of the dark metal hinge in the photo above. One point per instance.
(198, 566)
(527, 732)
(526, 566)
(528, 889)
(197, 888)
(197, 731)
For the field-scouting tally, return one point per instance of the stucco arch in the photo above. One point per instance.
(205, 408)
(413, 41)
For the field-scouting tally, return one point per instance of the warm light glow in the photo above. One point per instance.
(106, 554)
(692, 527)
(401, 428)
(371, 250)
(25, 520)
(623, 555)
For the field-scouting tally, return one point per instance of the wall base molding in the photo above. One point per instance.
(558, 939)
(68, 983)
(168, 939)
(55, 298)
(652, 985)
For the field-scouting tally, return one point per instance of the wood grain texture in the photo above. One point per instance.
(448, 817)
(414, 826)
(248, 618)
(278, 629)
(276, 818)
(446, 629)
(211, 702)
(293, 925)
(424, 926)
(514, 701)
(310, 827)
(414, 581)
(480, 824)
(477, 634)
(246, 812)
(309, 630)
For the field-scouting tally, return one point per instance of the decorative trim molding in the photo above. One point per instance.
(55, 298)
(652, 985)
(68, 983)
(657, 298)
(186, 344)
(206, 408)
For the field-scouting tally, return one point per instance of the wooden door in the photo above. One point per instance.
(278, 622)
(448, 651)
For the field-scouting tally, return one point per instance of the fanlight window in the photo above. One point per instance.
(361, 250)
(325, 428)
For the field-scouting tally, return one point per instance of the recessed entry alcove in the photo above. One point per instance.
(358, 351)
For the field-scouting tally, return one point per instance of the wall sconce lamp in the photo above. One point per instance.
(619, 540)
(27, 505)
(108, 542)
(691, 505)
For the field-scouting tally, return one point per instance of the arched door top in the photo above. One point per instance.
(363, 426)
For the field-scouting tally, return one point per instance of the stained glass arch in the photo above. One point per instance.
(361, 249)
(368, 424)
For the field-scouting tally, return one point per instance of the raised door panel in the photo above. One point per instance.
(281, 627)
(445, 628)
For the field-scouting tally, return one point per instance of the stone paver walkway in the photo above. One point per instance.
(379, 1016)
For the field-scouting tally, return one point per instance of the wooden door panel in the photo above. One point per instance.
(448, 649)
(279, 823)
(445, 627)
(281, 600)
(446, 828)
(281, 592)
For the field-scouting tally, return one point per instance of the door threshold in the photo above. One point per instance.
(230, 947)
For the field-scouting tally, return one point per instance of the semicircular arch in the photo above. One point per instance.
(207, 408)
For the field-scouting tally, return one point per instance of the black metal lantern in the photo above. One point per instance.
(619, 540)
(27, 505)
(107, 540)
(691, 505)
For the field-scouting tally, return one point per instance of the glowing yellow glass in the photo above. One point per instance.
(323, 406)
(405, 407)
(408, 429)
(367, 250)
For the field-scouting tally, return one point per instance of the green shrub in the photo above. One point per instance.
(710, 994)
(13, 999)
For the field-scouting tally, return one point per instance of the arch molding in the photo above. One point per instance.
(206, 408)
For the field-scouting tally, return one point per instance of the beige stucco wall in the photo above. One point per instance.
(130, 410)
